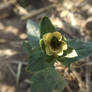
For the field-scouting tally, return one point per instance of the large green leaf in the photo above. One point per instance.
(27, 47)
(46, 26)
(39, 61)
(33, 31)
(82, 48)
(47, 81)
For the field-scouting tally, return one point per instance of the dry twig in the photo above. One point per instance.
(6, 8)
(35, 12)
(81, 84)
(88, 74)
(6, 5)
(22, 11)
(69, 89)
(11, 70)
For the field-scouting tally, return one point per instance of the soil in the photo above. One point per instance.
(13, 33)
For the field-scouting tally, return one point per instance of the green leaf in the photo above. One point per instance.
(82, 48)
(42, 45)
(69, 50)
(39, 61)
(33, 31)
(70, 53)
(27, 47)
(47, 81)
(46, 26)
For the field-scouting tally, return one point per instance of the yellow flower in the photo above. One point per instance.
(54, 45)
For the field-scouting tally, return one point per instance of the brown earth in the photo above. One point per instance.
(13, 33)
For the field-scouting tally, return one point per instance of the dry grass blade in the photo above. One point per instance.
(11, 70)
(18, 73)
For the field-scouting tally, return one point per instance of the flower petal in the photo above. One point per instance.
(64, 45)
(57, 35)
(47, 38)
(48, 51)
(60, 53)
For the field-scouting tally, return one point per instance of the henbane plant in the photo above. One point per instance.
(46, 46)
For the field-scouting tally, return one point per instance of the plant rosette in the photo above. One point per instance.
(46, 45)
